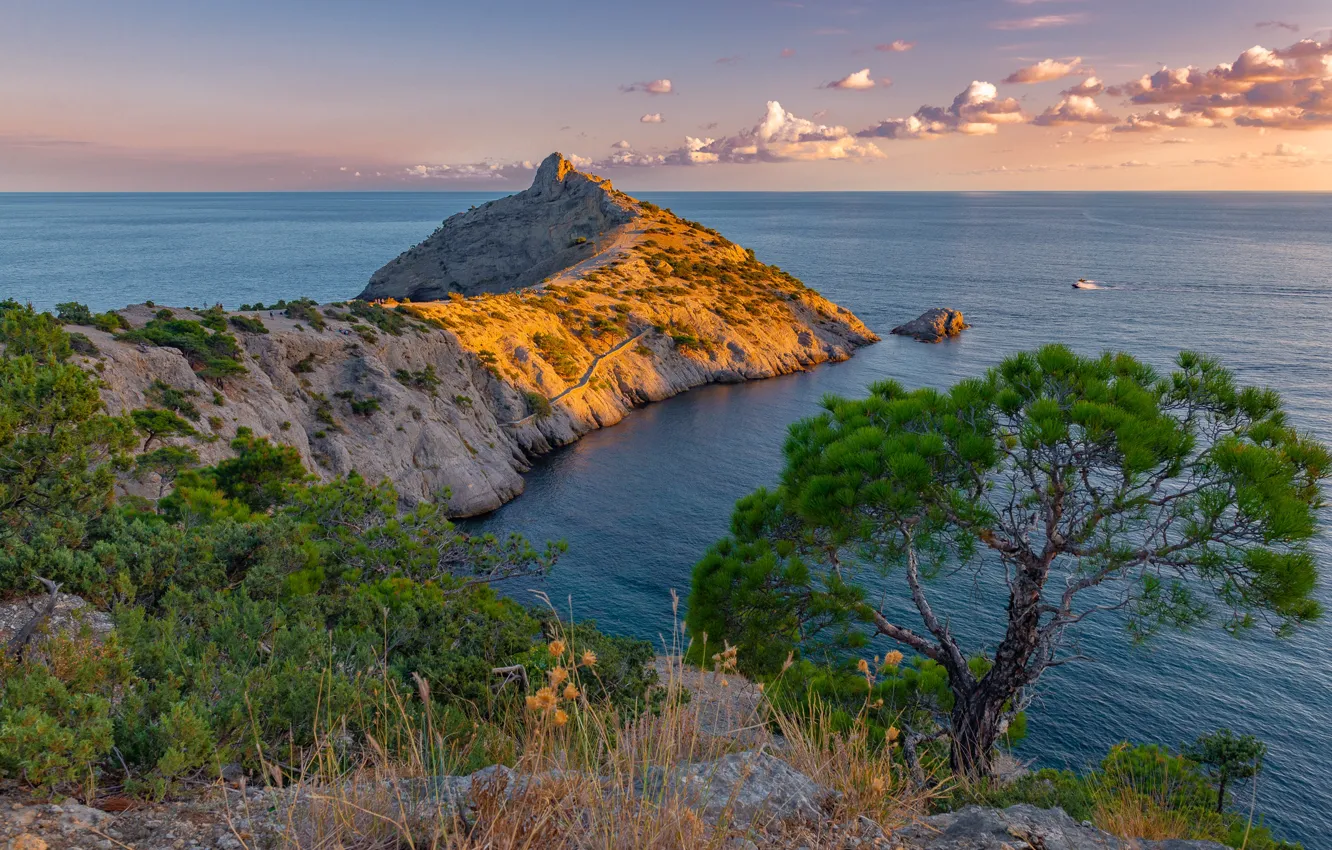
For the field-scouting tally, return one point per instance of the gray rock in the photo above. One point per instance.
(1021, 827)
(934, 325)
(511, 242)
(747, 789)
(71, 614)
(77, 817)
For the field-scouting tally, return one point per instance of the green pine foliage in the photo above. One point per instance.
(1186, 495)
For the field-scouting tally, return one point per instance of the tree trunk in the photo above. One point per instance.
(1221, 795)
(975, 730)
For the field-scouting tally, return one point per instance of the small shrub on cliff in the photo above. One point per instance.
(305, 310)
(425, 380)
(1137, 791)
(388, 321)
(249, 325)
(538, 404)
(211, 353)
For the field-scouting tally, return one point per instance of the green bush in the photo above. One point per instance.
(211, 353)
(388, 321)
(538, 404)
(249, 325)
(1145, 777)
(424, 380)
(304, 310)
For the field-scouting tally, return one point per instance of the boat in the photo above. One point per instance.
(1083, 283)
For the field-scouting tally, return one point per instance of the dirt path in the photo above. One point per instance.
(587, 376)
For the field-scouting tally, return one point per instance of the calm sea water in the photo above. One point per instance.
(1244, 277)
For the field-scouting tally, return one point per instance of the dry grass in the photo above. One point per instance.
(579, 776)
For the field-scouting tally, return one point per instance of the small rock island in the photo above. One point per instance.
(934, 325)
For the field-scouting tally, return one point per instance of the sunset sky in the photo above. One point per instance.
(726, 94)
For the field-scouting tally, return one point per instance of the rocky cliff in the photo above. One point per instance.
(462, 393)
(565, 219)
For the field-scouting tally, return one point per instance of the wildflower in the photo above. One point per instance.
(760, 687)
(556, 647)
(545, 699)
(725, 683)
(891, 734)
(878, 703)
(878, 785)
(558, 675)
(561, 717)
(863, 666)
(892, 659)
(589, 658)
(570, 692)
(532, 703)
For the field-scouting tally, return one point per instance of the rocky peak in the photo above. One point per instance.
(566, 218)
(550, 175)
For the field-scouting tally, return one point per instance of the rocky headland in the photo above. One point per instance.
(515, 328)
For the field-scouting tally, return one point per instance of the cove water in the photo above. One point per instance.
(1246, 277)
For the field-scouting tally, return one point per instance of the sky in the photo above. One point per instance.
(141, 95)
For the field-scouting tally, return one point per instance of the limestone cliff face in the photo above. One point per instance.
(463, 393)
(512, 242)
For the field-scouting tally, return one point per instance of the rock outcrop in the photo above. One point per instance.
(1024, 826)
(565, 218)
(462, 394)
(934, 325)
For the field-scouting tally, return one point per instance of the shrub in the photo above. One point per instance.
(249, 325)
(211, 353)
(388, 321)
(424, 380)
(303, 310)
(538, 404)
(80, 344)
(364, 406)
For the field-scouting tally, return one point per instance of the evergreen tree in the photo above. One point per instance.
(1076, 486)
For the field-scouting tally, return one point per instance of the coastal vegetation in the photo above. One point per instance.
(319, 633)
(1076, 487)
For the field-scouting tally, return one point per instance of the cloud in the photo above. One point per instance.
(729, 60)
(788, 52)
(1282, 24)
(857, 81)
(651, 87)
(1089, 87)
(622, 144)
(778, 137)
(977, 111)
(783, 137)
(1164, 119)
(1288, 88)
(1074, 109)
(1045, 70)
(1038, 22)
(651, 118)
(486, 170)
(1282, 156)
(1288, 150)
(896, 46)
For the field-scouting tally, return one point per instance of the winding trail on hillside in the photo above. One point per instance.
(587, 376)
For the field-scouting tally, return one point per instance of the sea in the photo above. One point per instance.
(1244, 277)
